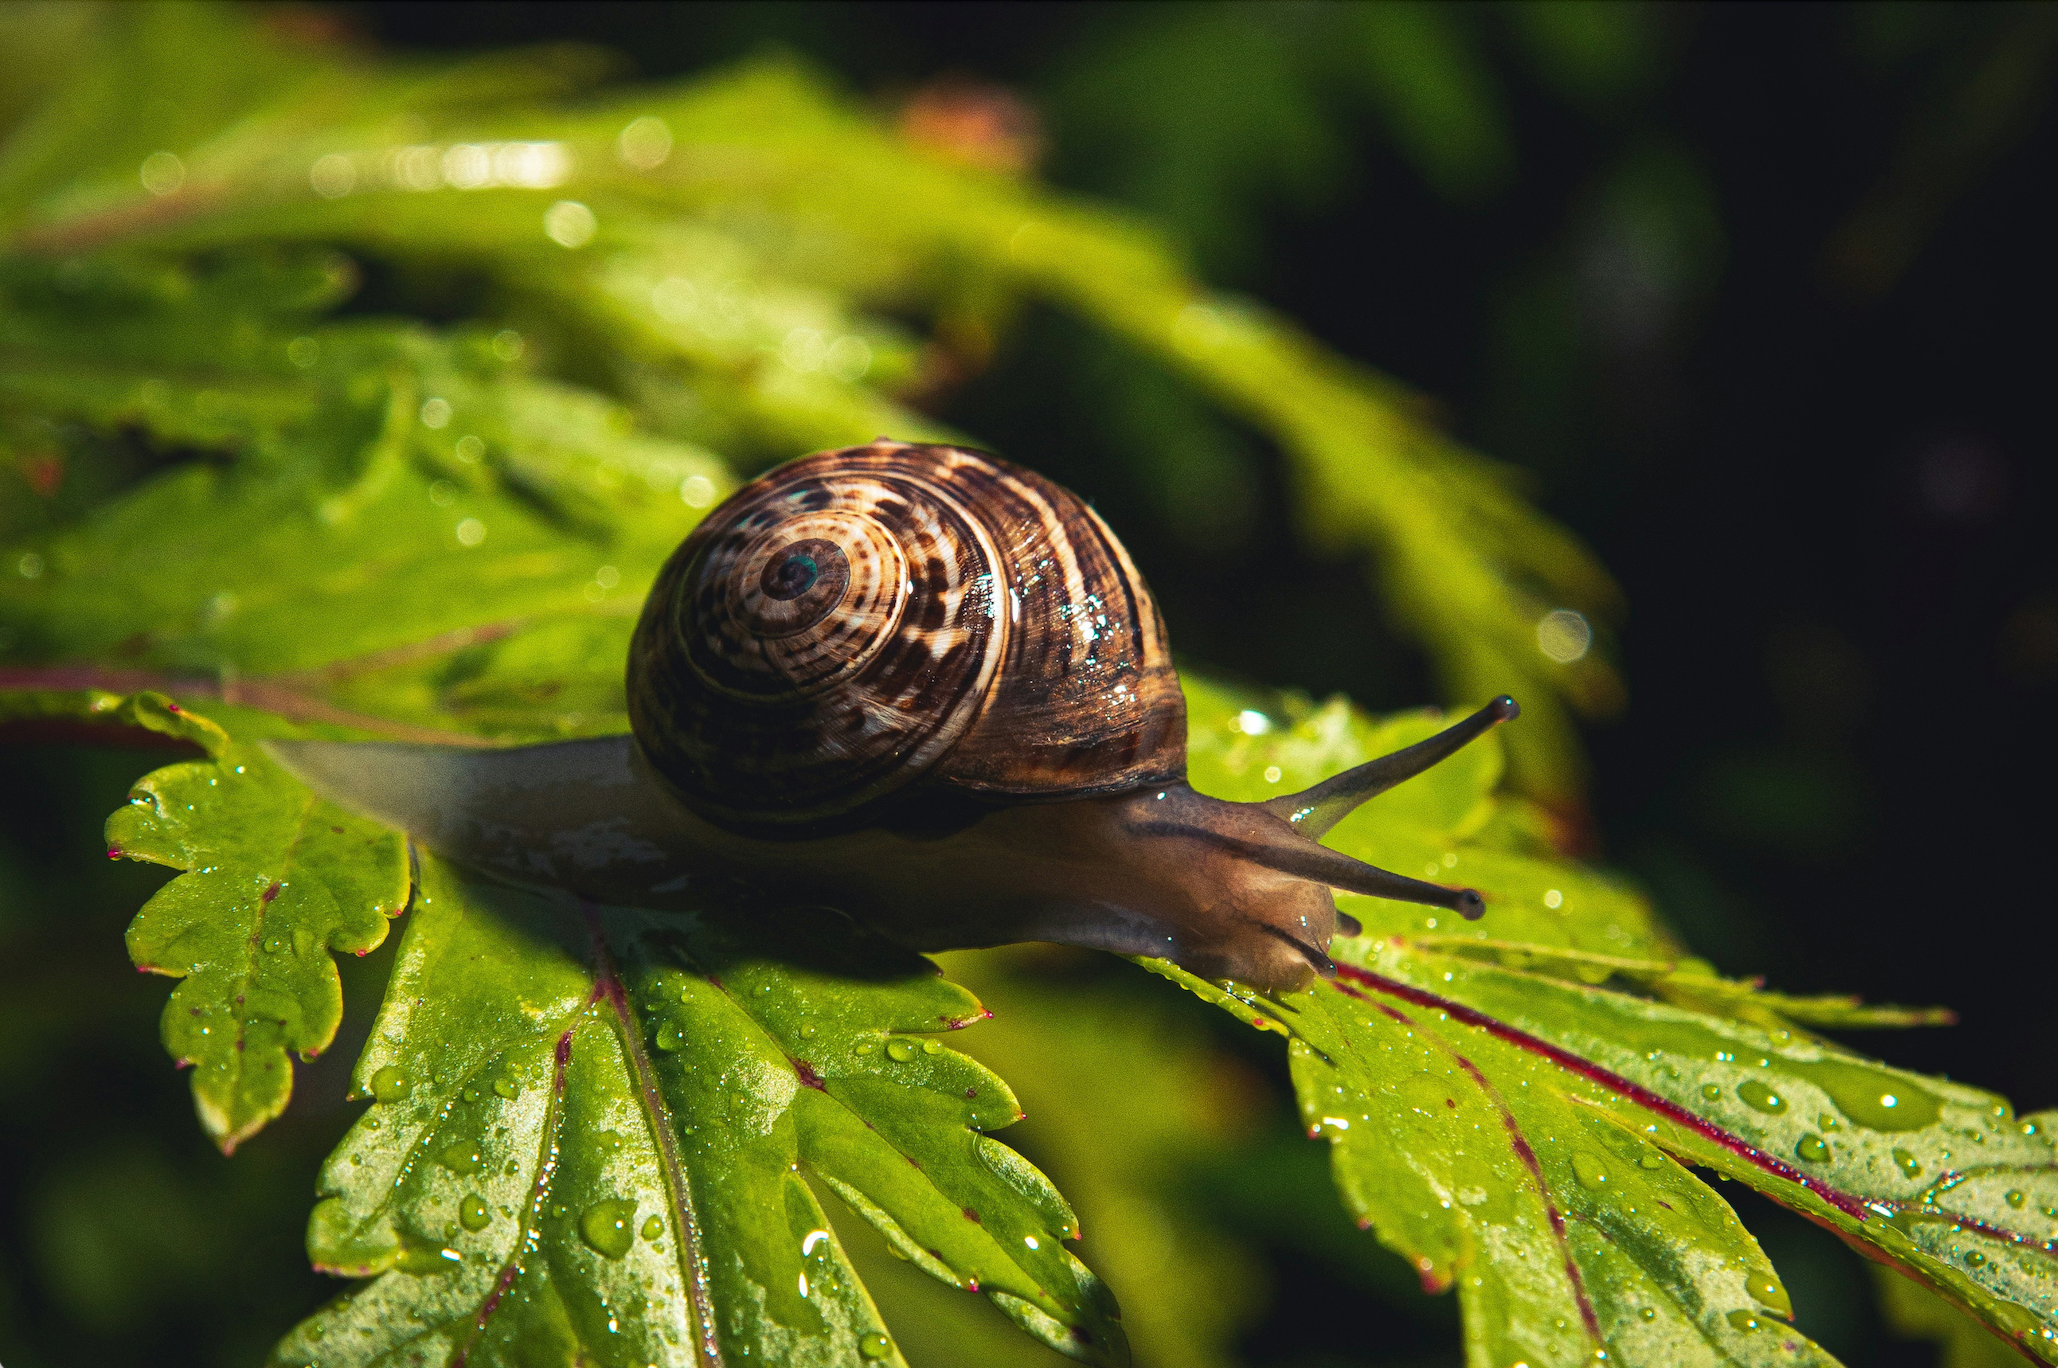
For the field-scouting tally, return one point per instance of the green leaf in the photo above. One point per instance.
(474, 576)
(1511, 1110)
(276, 880)
(1125, 1097)
(600, 1133)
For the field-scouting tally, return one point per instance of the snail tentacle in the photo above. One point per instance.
(1315, 810)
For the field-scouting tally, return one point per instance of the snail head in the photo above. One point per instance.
(1256, 886)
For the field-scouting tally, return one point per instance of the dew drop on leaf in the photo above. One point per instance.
(472, 1213)
(427, 1258)
(605, 1226)
(1756, 1095)
(670, 1037)
(807, 1030)
(1650, 1159)
(506, 1087)
(1712, 1091)
(931, 1047)
(900, 1049)
(1768, 1290)
(460, 1156)
(1871, 1097)
(2015, 1197)
(875, 1345)
(1812, 1148)
(654, 1227)
(1590, 1172)
(1907, 1162)
(391, 1084)
(1743, 1320)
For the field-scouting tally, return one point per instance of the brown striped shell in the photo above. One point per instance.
(886, 617)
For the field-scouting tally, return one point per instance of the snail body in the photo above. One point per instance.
(930, 689)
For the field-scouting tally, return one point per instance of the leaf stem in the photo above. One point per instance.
(607, 986)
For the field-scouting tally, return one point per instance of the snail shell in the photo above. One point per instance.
(893, 616)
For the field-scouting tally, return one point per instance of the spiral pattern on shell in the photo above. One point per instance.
(862, 620)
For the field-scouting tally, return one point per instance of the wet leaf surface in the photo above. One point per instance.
(1514, 1106)
(592, 1133)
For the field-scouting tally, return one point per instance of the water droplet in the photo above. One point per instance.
(1871, 1097)
(2015, 1197)
(1768, 1290)
(864, 1048)
(506, 1087)
(807, 1030)
(1826, 1122)
(427, 1258)
(460, 1156)
(1812, 1148)
(609, 1142)
(1743, 1320)
(875, 1345)
(1974, 1258)
(900, 1049)
(605, 1226)
(391, 1084)
(274, 944)
(1649, 1313)
(931, 1047)
(472, 1213)
(670, 1037)
(1712, 1091)
(1756, 1094)
(1590, 1171)
(654, 1228)
(1650, 1159)
(471, 1093)
(1907, 1162)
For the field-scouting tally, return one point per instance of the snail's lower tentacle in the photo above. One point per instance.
(1288, 852)
(1320, 864)
(1314, 811)
(1321, 962)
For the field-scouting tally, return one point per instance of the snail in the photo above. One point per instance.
(930, 689)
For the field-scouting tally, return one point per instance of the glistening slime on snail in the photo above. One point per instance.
(926, 687)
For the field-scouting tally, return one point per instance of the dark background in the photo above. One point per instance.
(1758, 299)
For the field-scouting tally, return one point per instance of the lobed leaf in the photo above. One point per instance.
(1511, 1106)
(597, 1133)
(275, 881)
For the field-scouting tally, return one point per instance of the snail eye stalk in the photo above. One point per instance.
(1314, 811)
